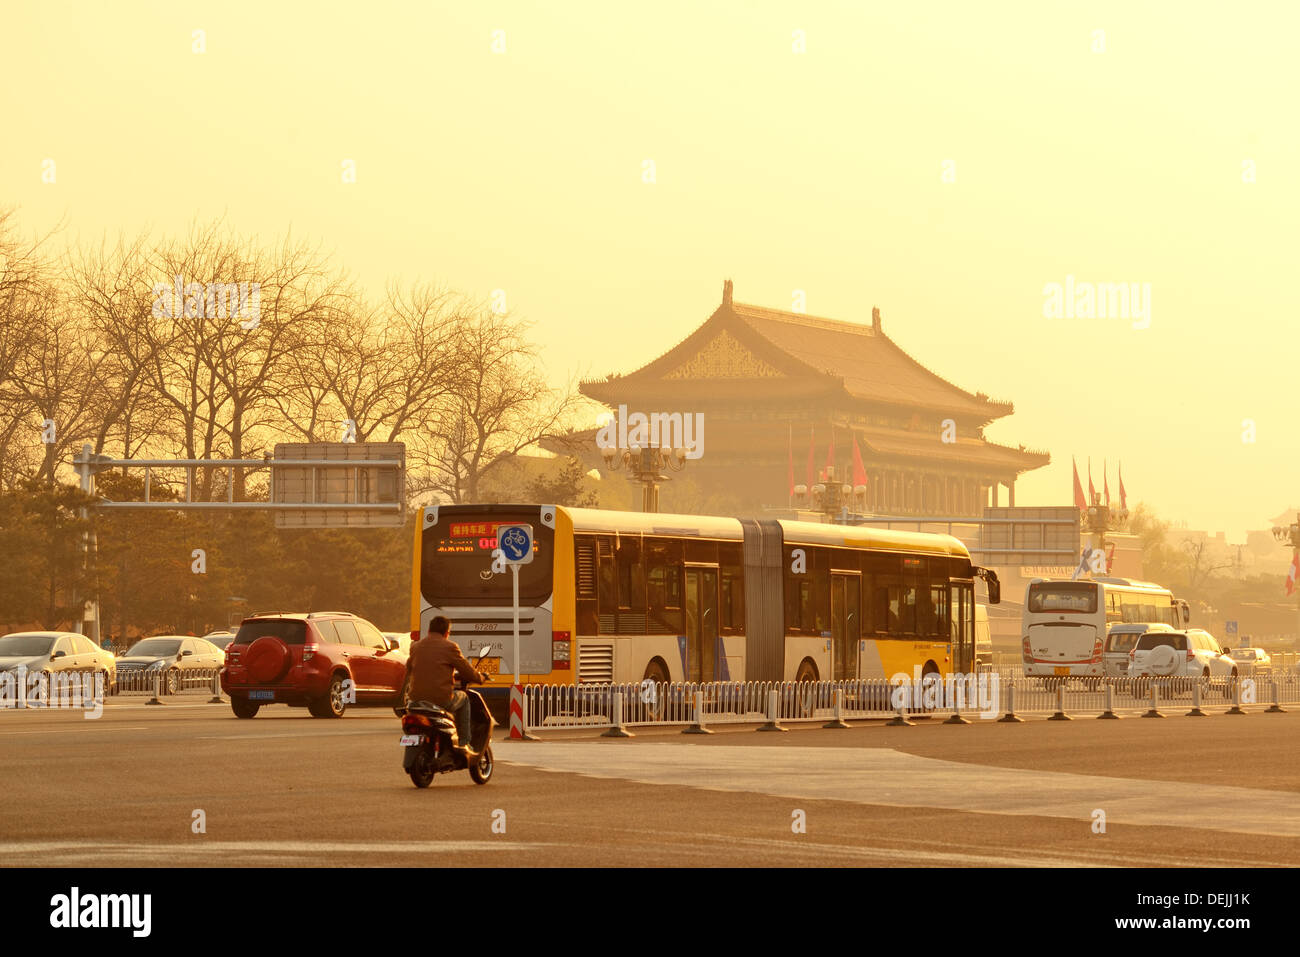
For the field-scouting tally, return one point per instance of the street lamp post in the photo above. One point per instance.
(1099, 519)
(1290, 535)
(834, 499)
(646, 465)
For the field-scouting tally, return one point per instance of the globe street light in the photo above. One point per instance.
(645, 465)
(1098, 519)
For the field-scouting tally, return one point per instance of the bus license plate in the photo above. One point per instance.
(261, 696)
(1062, 671)
(491, 666)
(410, 739)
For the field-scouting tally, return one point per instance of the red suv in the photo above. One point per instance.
(325, 660)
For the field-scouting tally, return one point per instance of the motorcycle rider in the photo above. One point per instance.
(431, 667)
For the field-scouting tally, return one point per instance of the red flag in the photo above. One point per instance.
(1105, 481)
(1123, 499)
(812, 437)
(859, 470)
(830, 454)
(1079, 502)
(789, 467)
(1092, 492)
(1293, 574)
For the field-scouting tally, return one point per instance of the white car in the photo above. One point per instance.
(1120, 640)
(1194, 653)
(1251, 661)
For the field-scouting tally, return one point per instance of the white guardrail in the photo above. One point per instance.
(958, 699)
(160, 683)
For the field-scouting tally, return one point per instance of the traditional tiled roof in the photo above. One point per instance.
(870, 363)
(742, 346)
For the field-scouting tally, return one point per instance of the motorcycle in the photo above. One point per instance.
(430, 742)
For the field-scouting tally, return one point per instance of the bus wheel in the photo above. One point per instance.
(651, 696)
(807, 671)
(930, 669)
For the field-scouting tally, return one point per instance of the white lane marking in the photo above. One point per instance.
(312, 848)
(257, 736)
(140, 727)
(897, 779)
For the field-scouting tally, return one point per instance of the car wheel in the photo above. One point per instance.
(1228, 684)
(481, 770)
(243, 708)
(332, 704)
(173, 681)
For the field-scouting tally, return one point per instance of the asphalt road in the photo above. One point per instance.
(287, 789)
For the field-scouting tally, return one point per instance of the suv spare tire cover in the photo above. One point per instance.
(1162, 660)
(267, 659)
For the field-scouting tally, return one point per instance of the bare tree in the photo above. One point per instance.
(503, 405)
(1199, 565)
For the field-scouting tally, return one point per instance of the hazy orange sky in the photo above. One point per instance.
(821, 171)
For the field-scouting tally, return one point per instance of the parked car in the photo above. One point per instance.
(1193, 653)
(53, 652)
(403, 639)
(1252, 661)
(222, 639)
(181, 661)
(323, 661)
(1120, 640)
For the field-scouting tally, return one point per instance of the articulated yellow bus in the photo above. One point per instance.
(628, 596)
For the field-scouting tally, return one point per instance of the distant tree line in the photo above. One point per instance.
(214, 345)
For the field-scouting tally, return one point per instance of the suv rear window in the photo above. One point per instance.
(289, 630)
(1156, 639)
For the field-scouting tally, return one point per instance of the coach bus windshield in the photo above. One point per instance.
(456, 560)
(1077, 597)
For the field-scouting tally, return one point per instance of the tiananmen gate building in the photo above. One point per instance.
(768, 383)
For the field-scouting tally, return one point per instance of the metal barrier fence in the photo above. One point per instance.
(774, 703)
(169, 682)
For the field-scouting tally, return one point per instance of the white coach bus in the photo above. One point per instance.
(1066, 622)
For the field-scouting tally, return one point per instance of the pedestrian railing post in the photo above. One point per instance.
(1196, 711)
(697, 727)
(1110, 703)
(838, 720)
(1060, 714)
(1275, 707)
(1154, 710)
(1011, 717)
(216, 689)
(771, 724)
(958, 696)
(900, 718)
(1236, 698)
(616, 729)
(157, 681)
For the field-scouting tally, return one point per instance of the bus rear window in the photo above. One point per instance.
(456, 559)
(1077, 597)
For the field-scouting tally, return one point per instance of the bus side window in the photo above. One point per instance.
(606, 587)
(585, 579)
(664, 586)
(732, 578)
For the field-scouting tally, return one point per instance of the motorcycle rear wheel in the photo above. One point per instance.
(422, 772)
